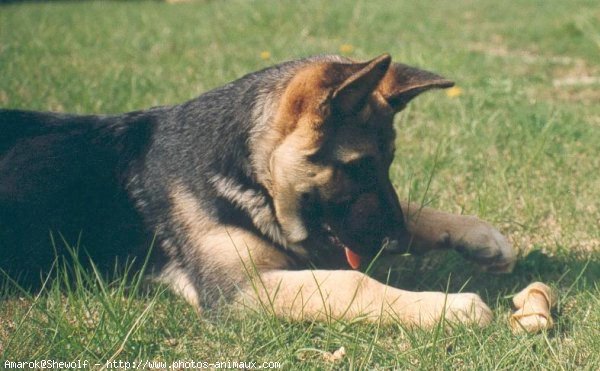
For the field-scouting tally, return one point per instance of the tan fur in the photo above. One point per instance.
(237, 249)
(283, 112)
(433, 229)
(180, 283)
(299, 123)
(254, 203)
(324, 295)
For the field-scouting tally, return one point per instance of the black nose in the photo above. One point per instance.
(391, 245)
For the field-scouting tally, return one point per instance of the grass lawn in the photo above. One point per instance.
(518, 143)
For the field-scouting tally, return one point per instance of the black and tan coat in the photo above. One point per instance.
(271, 189)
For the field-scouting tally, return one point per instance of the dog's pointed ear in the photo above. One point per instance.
(353, 93)
(402, 83)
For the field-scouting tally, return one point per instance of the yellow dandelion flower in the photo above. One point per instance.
(346, 48)
(265, 54)
(454, 92)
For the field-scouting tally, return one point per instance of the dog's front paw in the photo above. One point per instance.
(464, 308)
(482, 243)
(468, 309)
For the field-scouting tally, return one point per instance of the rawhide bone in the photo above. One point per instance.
(533, 309)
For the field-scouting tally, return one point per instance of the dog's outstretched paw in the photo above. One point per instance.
(463, 308)
(486, 246)
(468, 308)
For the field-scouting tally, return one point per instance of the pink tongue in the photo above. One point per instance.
(352, 258)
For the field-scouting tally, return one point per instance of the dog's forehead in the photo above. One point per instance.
(352, 142)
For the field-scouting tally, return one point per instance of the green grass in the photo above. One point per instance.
(519, 147)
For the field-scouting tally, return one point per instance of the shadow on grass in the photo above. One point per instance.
(567, 272)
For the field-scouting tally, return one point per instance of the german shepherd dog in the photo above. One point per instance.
(272, 190)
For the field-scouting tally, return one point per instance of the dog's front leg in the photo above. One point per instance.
(323, 294)
(475, 239)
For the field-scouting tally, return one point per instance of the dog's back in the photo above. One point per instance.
(75, 176)
(59, 173)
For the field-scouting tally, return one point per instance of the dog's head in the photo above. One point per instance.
(329, 168)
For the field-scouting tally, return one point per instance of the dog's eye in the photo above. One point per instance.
(363, 167)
